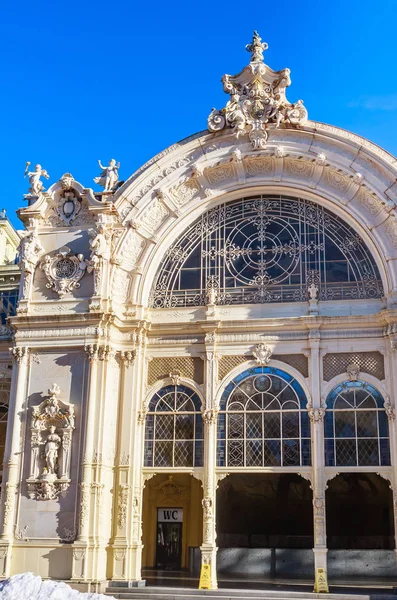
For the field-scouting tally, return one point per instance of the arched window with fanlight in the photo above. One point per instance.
(356, 426)
(174, 435)
(263, 421)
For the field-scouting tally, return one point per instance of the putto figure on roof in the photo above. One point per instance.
(109, 177)
(36, 185)
(257, 100)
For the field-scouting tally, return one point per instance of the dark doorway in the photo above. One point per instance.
(265, 511)
(169, 544)
(359, 508)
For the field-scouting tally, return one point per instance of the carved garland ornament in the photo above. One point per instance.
(51, 428)
(257, 100)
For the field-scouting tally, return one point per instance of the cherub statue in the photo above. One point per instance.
(36, 185)
(109, 176)
(312, 290)
(235, 114)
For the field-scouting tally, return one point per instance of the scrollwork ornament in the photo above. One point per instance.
(123, 494)
(262, 354)
(316, 415)
(210, 416)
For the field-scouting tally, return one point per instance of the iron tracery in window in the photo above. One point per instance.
(174, 435)
(263, 421)
(265, 249)
(356, 427)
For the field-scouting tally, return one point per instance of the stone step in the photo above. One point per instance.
(167, 593)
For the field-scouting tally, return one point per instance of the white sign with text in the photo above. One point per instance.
(169, 515)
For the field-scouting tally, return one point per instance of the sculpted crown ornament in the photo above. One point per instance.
(257, 100)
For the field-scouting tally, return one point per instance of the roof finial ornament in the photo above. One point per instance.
(257, 48)
(258, 102)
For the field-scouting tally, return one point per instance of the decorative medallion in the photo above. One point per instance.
(64, 270)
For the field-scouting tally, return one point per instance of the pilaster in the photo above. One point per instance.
(210, 413)
(12, 455)
(316, 414)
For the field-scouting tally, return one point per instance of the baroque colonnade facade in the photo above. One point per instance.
(104, 317)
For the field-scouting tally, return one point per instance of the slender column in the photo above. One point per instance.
(391, 414)
(11, 467)
(316, 414)
(210, 413)
(137, 442)
(90, 425)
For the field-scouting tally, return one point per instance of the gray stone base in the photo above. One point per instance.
(128, 584)
(299, 563)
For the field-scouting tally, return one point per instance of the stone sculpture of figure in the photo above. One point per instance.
(52, 445)
(313, 292)
(235, 114)
(36, 185)
(109, 176)
(29, 250)
(99, 243)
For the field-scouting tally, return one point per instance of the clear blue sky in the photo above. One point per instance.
(84, 80)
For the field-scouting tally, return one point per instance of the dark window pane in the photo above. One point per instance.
(183, 454)
(384, 452)
(164, 427)
(184, 427)
(345, 453)
(291, 455)
(368, 453)
(345, 424)
(253, 451)
(367, 423)
(163, 454)
(253, 426)
(329, 453)
(271, 425)
(271, 453)
(290, 425)
(306, 452)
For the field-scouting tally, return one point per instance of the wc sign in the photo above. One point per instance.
(169, 515)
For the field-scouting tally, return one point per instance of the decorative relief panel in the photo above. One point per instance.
(51, 428)
(257, 165)
(153, 215)
(299, 168)
(132, 247)
(297, 361)
(185, 191)
(367, 362)
(190, 367)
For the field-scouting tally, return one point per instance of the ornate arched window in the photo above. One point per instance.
(356, 426)
(174, 429)
(265, 249)
(263, 421)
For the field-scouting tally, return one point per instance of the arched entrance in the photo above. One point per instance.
(265, 525)
(264, 507)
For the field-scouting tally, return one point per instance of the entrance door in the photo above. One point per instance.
(169, 538)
